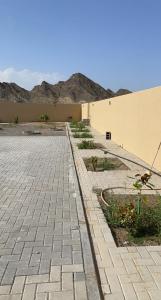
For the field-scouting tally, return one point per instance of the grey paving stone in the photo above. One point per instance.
(39, 230)
(10, 258)
(8, 277)
(27, 271)
(77, 257)
(29, 292)
(79, 276)
(44, 266)
(18, 285)
(18, 248)
(5, 251)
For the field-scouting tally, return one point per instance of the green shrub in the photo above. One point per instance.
(83, 135)
(76, 135)
(87, 145)
(81, 126)
(108, 165)
(120, 215)
(73, 124)
(44, 117)
(78, 125)
(80, 130)
(140, 182)
(148, 222)
(86, 135)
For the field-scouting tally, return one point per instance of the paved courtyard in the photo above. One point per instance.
(45, 252)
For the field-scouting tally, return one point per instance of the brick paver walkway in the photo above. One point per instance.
(44, 245)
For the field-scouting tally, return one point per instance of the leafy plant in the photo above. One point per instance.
(81, 126)
(120, 215)
(73, 124)
(108, 165)
(148, 222)
(82, 135)
(86, 135)
(112, 214)
(87, 145)
(139, 184)
(80, 130)
(77, 125)
(44, 117)
(127, 215)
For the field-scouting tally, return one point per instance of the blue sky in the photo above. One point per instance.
(117, 43)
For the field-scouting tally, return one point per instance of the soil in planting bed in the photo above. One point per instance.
(124, 235)
(35, 129)
(99, 164)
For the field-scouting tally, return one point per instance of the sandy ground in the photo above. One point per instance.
(37, 129)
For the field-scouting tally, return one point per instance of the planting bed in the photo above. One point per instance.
(99, 164)
(129, 228)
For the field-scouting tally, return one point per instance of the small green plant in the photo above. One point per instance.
(80, 130)
(86, 135)
(81, 126)
(44, 118)
(82, 135)
(78, 125)
(108, 165)
(87, 145)
(76, 135)
(120, 215)
(16, 120)
(139, 184)
(148, 222)
(127, 215)
(73, 124)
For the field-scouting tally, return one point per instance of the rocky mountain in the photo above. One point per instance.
(13, 92)
(122, 92)
(78, 88)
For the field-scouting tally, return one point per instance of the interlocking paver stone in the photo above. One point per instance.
(42, 247)
(5, 289)
(18, 285)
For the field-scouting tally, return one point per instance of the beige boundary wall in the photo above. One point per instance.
(32, 112)
(134, 121)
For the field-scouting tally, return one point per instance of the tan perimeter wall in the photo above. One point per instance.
(134, 121)
(32, 112)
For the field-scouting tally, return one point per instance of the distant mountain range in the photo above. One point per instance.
(78, 88)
